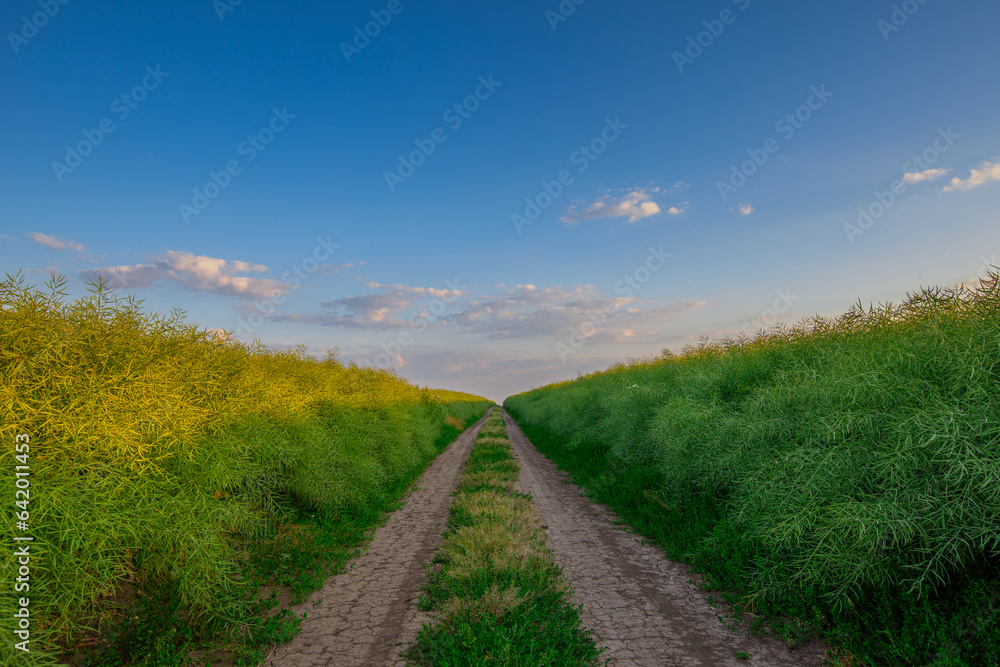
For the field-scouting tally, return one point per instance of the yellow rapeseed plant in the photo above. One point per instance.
(154, 446)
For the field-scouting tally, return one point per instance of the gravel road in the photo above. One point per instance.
(368, 614)
(639, 604)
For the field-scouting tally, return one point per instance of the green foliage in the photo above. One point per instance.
(840, 477)
(164, 459)
(498, 594)
(541, 633)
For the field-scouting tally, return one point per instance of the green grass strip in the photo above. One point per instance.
(498, 595)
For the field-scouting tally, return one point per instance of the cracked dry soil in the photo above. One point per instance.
(640, 605)
(368, 614)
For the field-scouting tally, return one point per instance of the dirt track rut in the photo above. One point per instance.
(368, 614)
(639, 604)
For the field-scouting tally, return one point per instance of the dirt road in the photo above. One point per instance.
(639, 604)
(367, 615)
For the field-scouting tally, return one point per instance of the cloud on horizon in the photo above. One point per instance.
(383, 310)
(926, 175)
(56, 242)
(987, 172)
(521, 312)
(334, 269)
(198, 273)
(491, 372)
(529, 312)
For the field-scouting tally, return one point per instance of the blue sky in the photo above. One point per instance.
(697, 168)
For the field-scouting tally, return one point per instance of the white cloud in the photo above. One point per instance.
(673, 210)
(521, 312)
(987, 172)
(199, 273)
(926, 175)
(333, 269)
(528, 311)
(385, 309)
(374, 308)
(635, 206)
(746, 209)
(443, 294)
(56, 242)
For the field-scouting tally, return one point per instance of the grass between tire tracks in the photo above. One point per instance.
(499, 597)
